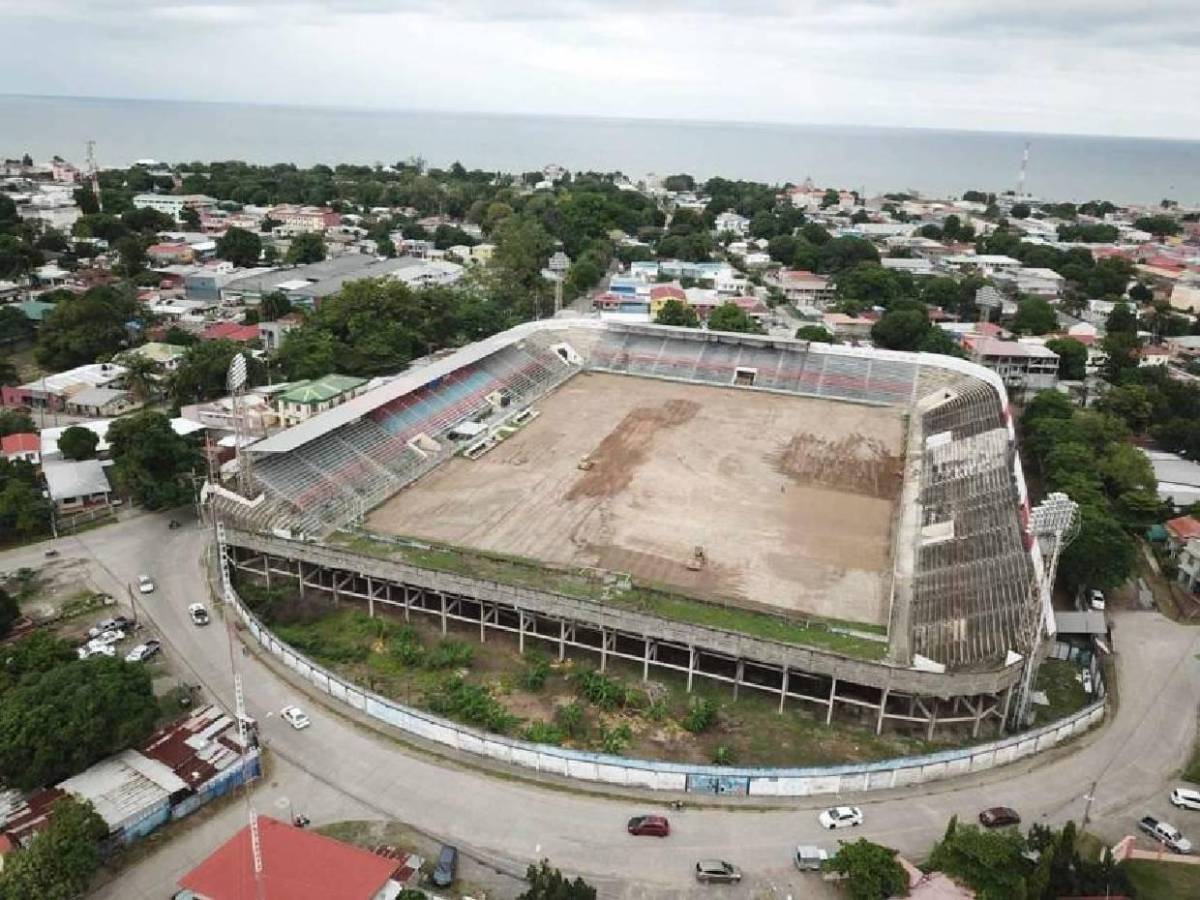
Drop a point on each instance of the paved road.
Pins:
(511, 822)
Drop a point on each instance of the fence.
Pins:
(662, 776)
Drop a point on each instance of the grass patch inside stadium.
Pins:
(810, 631)
(535, 697)
(1060, 681)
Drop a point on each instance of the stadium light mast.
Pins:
(1054, 524)
(558, 265)
(987, 298)
(236, 381)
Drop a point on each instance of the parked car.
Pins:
(1185, 798)
(143, 652)
(447, 867)
(654, 826)
(709, 871)
(1096, 600)
(1166, 834)
(295, 717)
(998, 817)
(91, 648)
(198, 613)
(809, 858)
(116, 623)
(145, 584)
(112, 636)
(841, 817)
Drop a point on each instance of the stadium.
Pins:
(838, 526)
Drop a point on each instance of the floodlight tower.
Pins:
(236, 381)
(987, 298)
(1054, 523)
(1024, 169)
(559, 263)
(93, 171)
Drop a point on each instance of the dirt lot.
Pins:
(790, 498)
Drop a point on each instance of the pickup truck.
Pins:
(1165, 834)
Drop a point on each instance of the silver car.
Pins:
(717, 871)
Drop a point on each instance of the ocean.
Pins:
(873, 160)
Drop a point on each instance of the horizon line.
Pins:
(512, 114)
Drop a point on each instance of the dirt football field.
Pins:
(790, 498)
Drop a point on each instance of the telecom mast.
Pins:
(1024, 168)
(93, 171)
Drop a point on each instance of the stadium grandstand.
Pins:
(966, 584)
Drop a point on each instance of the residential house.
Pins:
(101, 402)
(166, 356)
(916, 266)
(1188, 561)
(804, 288)
(1180, 531)
(273, 333)
(1025, 367)
(1154, 355)
(231, 331)
(987, 263)
(76, 485)
(661, 293)
(52, 392)
(303, 400)
(25, 446)
(1185, 297)
(297, 219)
(1178, 478)
(174, 253)
(731, 222)
(844, 327)
(304, 865)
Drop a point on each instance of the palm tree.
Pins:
(141, 375)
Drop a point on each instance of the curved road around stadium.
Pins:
(1125, 767)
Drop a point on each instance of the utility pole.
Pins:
(93, 171)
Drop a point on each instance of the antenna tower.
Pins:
(236, 381)
(93, 171)
(1024, 169)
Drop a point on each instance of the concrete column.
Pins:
(482, 622)
(300, 577)
(562, 639)
(646, 642)
(603, 649)
(932, 719)
(978, 717)
(1004, 715)
(370, 597)
(783, 690)
(406, 601)
(882, 708)
(267, 570)
(521, 632)
(832, 697)
(691, 666)
(737, 677)
(443, 596)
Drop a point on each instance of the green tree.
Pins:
(71, 716)
(60, 861)
(13, 421)
(15, 327)
(241, 247)
(730, 317)
(1140, 293)
(1159, 226)
(1121, 319)
(1102, 555)
(676, 312)
(202, 373)
(152, 463)
(306, 247)
(190, 217)
(1123, 350)
(844, 253)
(8, 372)
(901, 329)
(85, 328)
(990, 862)
(273, 306)
(1131, 403)
(513, 275)
(1072, 358)
(141, 375)
(546, 883)
(131, 256)
(814, 334)
(9, 613)
(872, 871)
(1020, 211)
(24, 511)
(77, 442)
(385, 247)
(1034, 316)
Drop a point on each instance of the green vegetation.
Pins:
(24, 512)
(730, 317)
(9, 612)
(871, 871)
(61, 861)
(87, 327)
(676, 312)
(153, 464)
(60, 714)
(1059, 679)
(1162, 880)
(78, 443)
(812, 631)
(546, 883)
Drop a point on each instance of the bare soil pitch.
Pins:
(790, 498)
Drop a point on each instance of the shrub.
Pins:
(571, 720)
(543, 733)
(537, 670)
(470, 704)
(600, 690)
(701, 715)
(615, 739)
(723, 756)
(450, 655)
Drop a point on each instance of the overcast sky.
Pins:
(1080, 66)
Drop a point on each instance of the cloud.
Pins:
(1073, 65)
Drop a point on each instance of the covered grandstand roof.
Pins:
(406, 383)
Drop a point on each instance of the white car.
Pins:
(104, 638)
(295, 717)
(1096, 600)
(91, 648)
(145, 584)
(1185, 798)
(841, 817)
(198, 613)
(143, 652)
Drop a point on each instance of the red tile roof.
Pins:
(24, 442)
(297, 865)
(667, 290)
(231, 331)
(1185, 528)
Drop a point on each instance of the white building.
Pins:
(731, 221)
(173, 204)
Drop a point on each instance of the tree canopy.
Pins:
(731, 317)
(152, 463)
(1072, 358)
(239, 246)
(676, 312)
(82, 329)
(306, 247)
(77, 442)
(872, 871)
(202, 373)
(59, 862)
(1034, 315)
(546, 883)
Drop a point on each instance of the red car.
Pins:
(654, 826)
(999, 816)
